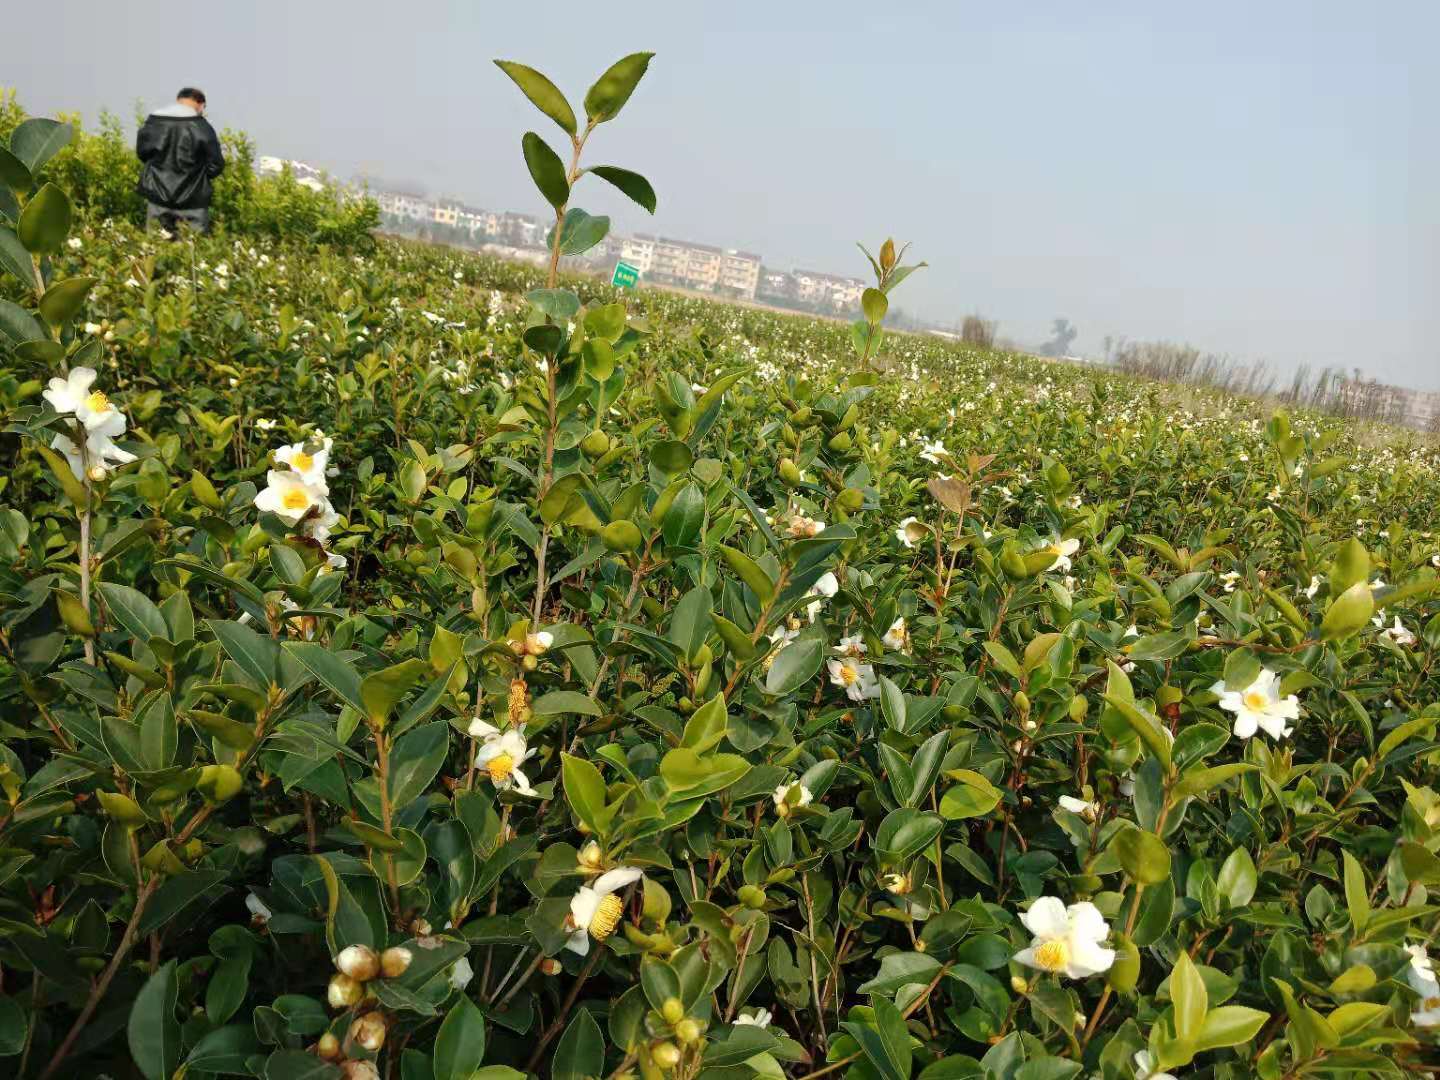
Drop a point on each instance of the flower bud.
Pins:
(328, 1047)
(368, 1031)
(1079, 707)
(360, 1070)
(219, 783)
(1124, 973)
(394, 961)
(550, 966)
(789, 472)
(591, 857)
(752, 896)
(343, 992)
(595, 445)
(1019, 985)
(420, 927)
(666, 1055)
(622, 536)
(688, 1031)
(673, 1010)
(359, 962)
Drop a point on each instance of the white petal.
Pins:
(1046, 918)
(1087, 922)
(614, 880)
(1088, 958)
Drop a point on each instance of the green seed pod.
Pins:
(1012, 564)
(1022, 701)
(622, 536)
(752, 896)
(595, 445)
(688, 1031)
(666, 1055)
(850, 500)
(1079, 708)
(673, 1010)
(789, 472)
(122, 808)
(1124, 973)
(219, 783)
(1168, 695)
(801, 415)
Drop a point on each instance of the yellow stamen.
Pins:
(519, 702)
(848, 675)
(1254, 700)
(1052, 956)
(301, 462)
(97, 402)
(606, 917)
(1430, 1003)
(295, 499)
(500, 767)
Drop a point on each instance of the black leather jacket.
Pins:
(181, 156)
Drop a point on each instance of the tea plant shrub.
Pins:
(99, 171)
(423, 667)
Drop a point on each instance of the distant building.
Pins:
(827, 291)
(740, 273)
(305, 175)
(407, 207)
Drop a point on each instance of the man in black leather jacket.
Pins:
(180, 155)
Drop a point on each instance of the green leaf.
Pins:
(630, 183)
(684, 517)
(1187, 991)
(299, 1065)
(134, 611)
(612, 90)
(460, 1042)
(1231, 1025)
(224, 1050)
(973, 796)
(415, 759)
(45, 221)
(1357, 899)
(560, 702)
(336, 673)
(381, 692)
(152, 1031)
(691, 775)
(15, 259)
(1119, 694)
(14, 173)
(546, 169)
(875, 304)
(1143, 855)
(671, 456)
(691, 620)
(13, 1027)
(543, 94)
(750, 572)
(585, 792)
(1198, 781)
(1348, 613)
(1237, 878)
(36, 140)
(901, 969)
(19, 326)
(794, 666)
(579, 231)
(706, 726)
(581, 1050)
(64, 299)
(886, 1043)
(904, 832)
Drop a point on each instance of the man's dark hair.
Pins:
(191, 93)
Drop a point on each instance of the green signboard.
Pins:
(626, 276)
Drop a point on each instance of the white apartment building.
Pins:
(399, 204)
(827, 290)
(639, 252)
(740, 273)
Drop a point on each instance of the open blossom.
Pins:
(758, 1018)
(100, 453)
(1259, 706)
(1420, 974)
(1066, 939)
(288, 497)
(932, 451)
(1083, 807)
(595, 910)
(856, 679)
(1314, 586)
(854, 645)
(827, 586)
(897, 637)
(500, 754)
(790, 797)
(1229, 579)
(1062, 550)
(1398, 633)
(309, 461)
(911, 531)
(73, 395)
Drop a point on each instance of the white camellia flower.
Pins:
(854, 645)
(1230, 579)
(827, 586)
(1398, 633)
(461, 973)
(931, 451)
(500, 754)
(1067, 939)
(1062, 550)
(1313, 588)
(288, 497)
(595, 910)
(791, 796)
(1259, 706)
(897, 637)
(759, 1018)
(311, 467)
(1079, 806)
(856, 679)
(1145, 1068)
(257, 907)
(802, 527)
(65, 395)
(99, 450)
(911, 532)
(1420, 974)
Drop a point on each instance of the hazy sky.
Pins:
(1258, 179)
